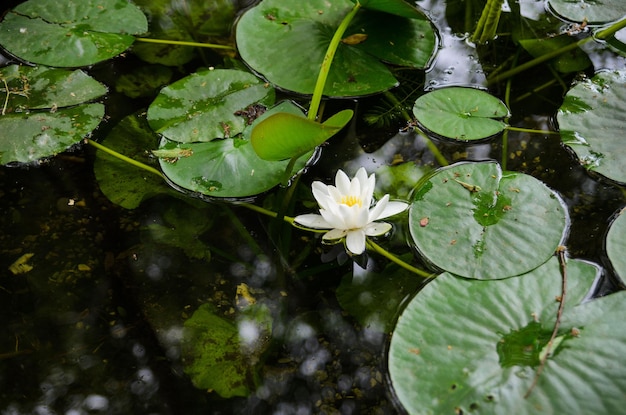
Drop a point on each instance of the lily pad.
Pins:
(222, 168)
(474, 346)
(71, 34)
(286, 41)
(45, 111)
(196, 21)
(216, 357)
(595, 12)
(121, 182)
(395, 7)
(474, 220)
(616, 244)
(591, 123)
(464, 114)
(205, 105)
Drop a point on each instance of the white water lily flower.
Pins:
(345, 210)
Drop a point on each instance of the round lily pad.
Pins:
(616, 244)
(45, 111)
(208, 104)
(467, 346)
(286, 40)
(595, 12)
(71, 33)
(461, 113)
(591, 123)
(474, 220)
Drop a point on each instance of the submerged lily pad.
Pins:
(216, 357)
(474, 220)
(192, 21)
(595, 12)
(206, 105)
(474, 346)
(45, 111)
(461, 113)
(71, 33)
(286, 42)
(616, 244)
(121, 182)
(591, 123)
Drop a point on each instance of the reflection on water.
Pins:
(96, 325)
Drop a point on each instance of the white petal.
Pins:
(361, 174)
(377, 210)
(342, 182)
(334, 234)
(320, 191)
(355, 241)
(335, 194)
(367, 190)
(355, 187)
(393, 208)
(377, 228)
(312, 221)
(353, 217)
(334, 217)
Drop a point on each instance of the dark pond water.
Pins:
(95, 326)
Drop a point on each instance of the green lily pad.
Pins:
(475, 346)
(395, 7)
(461, 113)
(474, 220)
(591, 123)
(71, 34)
(595, 12)
(616, 244)
(286, 42)
(284, 135)
(122, 183)
(222, 168)
(205, 105)
(216, 357)
(45, 112)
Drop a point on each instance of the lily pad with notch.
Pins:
(71, 33)
(463, 114)
(475, 346)
(477, 221)
(286, 41)
(591, 123)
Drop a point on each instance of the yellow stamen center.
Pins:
(351, 201)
